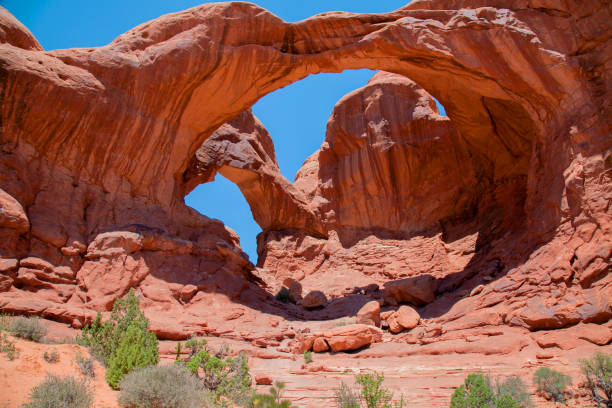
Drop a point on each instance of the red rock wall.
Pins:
(98, 148)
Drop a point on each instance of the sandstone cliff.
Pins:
(512, 191)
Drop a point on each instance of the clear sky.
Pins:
(295, 116)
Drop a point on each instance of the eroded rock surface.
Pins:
(494, 221)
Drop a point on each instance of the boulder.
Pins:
(404, 318)
(188, 292)
(369, 314)
(320, 345)
(8, 265)
(418, 291)
(407, 317)
(111, 244)
(352, 337)
(6, 282)
(294, 287)
(12, 214)
(262, 379)
(314, 299)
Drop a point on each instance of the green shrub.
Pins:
(51, 356)
(5, 322)
(284, 296)
(372, 393)
(516, 388)
(29, 328)
(58, 392)
(85, 365)
(346, 398)
(123, 342)
(271, 400)
(223, 375)
(7, 347)
(138, 348)
(477, 392)
(551, 383)
(161, 387)
(308, 356)
(598, 371)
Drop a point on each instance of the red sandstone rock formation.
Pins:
(512, 191)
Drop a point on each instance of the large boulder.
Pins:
(418, 291)
(12, 214)
(343, 338)
(369, 313)
(314, 299)
(404, 318)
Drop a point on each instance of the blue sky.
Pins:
(295, 115)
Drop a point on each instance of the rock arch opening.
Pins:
(221, 199)
(395, 190)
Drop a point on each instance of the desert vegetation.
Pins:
(271, 400)
(370, 394)
(226, 377)
(122, 343)
(85, 365)
(61, 392)
(216, 378)
(551, 383)
(479, 391)
(51, 356)
(29, 328)
(170, 386)
(7, 346)
(598, 373)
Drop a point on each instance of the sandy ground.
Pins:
(424, 381)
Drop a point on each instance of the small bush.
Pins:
(29, 328)
(284, 296)
(308, 356)
(223, 375)
(372, 395)
(551, 383)
(372, 391)
(271, 400)
(346, 398)
(58, 392)
(161, 387)
(5, 322)
(477, 392)
(138, 348)
(7, 347)
(85, 365)
(123, 342)
(516, 388)
(598, 371)
(51, 356)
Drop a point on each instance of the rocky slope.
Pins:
(426, 381)
(494, 222)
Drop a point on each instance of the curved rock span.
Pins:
(497, 215)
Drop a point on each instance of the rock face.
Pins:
(511, 191)
(344, 338)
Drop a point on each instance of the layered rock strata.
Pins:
(497, 215)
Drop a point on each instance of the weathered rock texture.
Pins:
(512, 191)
